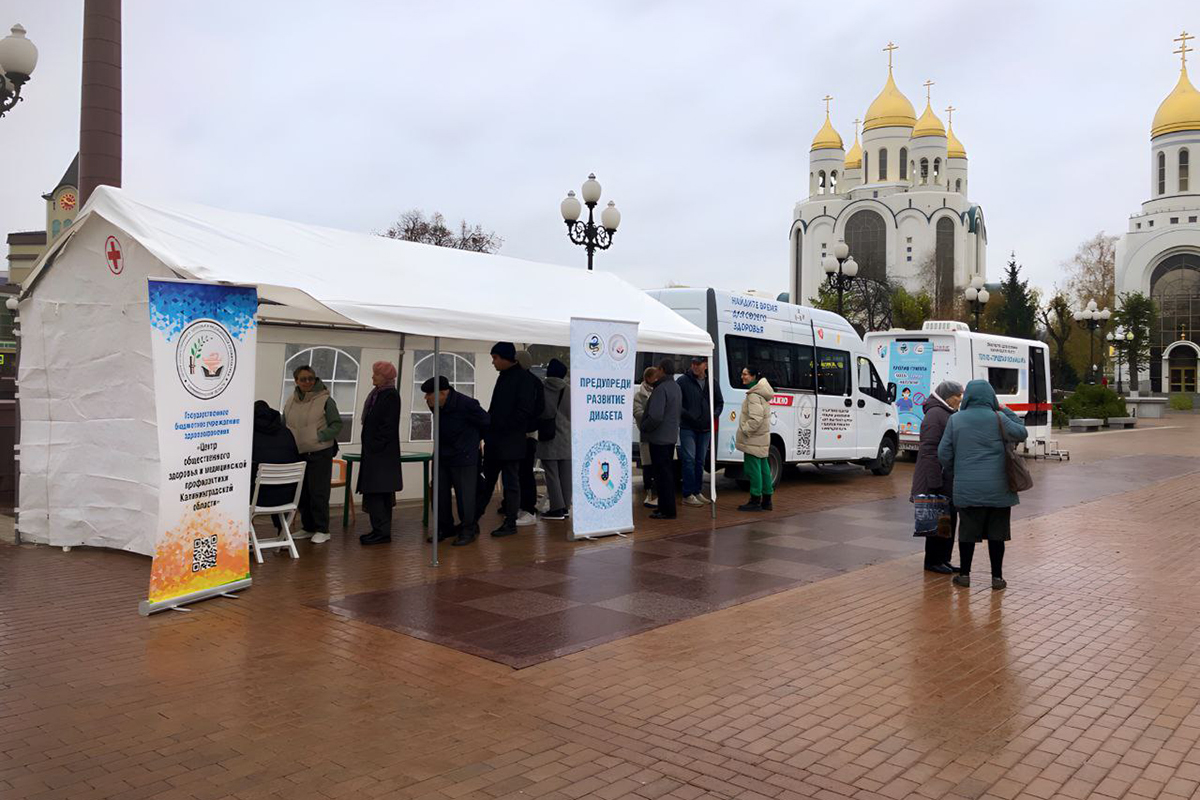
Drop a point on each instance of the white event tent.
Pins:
(89, 446)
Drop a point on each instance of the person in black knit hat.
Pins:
(512, 415)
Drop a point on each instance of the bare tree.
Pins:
(413, 226)
(940, 290)
(1057, 322)
(1092, 271)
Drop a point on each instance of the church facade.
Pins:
(1159, 254)
(899, 200)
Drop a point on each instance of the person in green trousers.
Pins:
(754, 439)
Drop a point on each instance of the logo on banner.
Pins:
(618, 347)
(605, 474)
(205, 358)
(112, 254)
(593, 345)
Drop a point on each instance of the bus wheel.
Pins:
(886, 458)
(775, 460)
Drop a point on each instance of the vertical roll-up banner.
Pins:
(602, 365)
(203, 339)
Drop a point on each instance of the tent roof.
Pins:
(385, 283)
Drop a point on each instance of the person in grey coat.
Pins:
(555, 453)
(928, 475)
(972, 450)
(660, 429)
(640, 398)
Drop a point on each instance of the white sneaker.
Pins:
(525, 519)
(320, 538)
(651, 500)
(693, 500)
(302, 534)
(704, 500)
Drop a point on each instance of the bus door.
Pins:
(836, 410)
(873, 410)
(1039, 389)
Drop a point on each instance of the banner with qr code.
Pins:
(203, 338)
(602, 364)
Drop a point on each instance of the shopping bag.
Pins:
(927, 510)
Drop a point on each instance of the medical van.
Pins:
(830, 404)
(917, 361)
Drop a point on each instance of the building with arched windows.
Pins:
(1159, 255)
(898, 198)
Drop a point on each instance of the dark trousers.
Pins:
(378, 506)
(528, 483)
(314, 496)
(966, 552)
(509, 473)
(939, 550)
(662, 464)
(464, 481)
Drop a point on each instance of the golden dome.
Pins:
(1180, 111)
(890, 108)
(854, 154)
(827, 137)
(954, 148)
(928, 124)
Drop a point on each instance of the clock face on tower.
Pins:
(67, 201)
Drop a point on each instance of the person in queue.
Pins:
(512, 413)
(695, 428)
(928, 476)
(972, 451)
(555, 453)
(461, 427)
(379, 477)
(313, 418)
(272, 443)
(753, 439)
(529, 494)
(660, 429)
(640, 398)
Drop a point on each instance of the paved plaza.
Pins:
(793, 655)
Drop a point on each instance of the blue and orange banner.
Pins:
(203, 347)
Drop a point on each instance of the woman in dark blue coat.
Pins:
(379, 478)
(972, 450)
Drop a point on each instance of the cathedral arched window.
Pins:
(903, 163)
(958, 185)
(924, 170)
(1175, 289)
(1162, 172)
(866, 168)
(797, 272)
(833, 181)
(883, 163)
(866, 236)
(943, 265)
(812, 183)
(821, 182)
(1183, 170)
(937, 169)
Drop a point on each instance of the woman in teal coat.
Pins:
(972, 450)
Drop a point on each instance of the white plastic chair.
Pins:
(276, 475)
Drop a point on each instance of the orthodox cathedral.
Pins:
(899, 200)
(1159, 255)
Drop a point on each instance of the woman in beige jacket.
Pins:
(754, 439)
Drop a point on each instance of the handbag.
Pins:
(546, 428)
(928, 510)
(1019, 477)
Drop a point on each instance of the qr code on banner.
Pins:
(204, 553)
(804, 442)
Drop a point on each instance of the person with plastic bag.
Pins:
(973, 452)
(932, 487)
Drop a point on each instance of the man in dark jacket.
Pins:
(695, 427)
(460, 431)
(512, 413)
(379, 477)
(660, 429)
(273, 444)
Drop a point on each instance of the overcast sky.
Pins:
(695, 116)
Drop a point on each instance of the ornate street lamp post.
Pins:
(1092, 318)
(977, 297)
(840, 269)
(18, 57)
(588, 234)
(1119, 341)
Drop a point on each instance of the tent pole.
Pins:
(713, 370)
(437, 445)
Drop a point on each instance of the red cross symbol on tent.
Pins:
(112, 254)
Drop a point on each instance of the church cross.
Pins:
(950, 114)
(827, 98)
(890, 47)
(1183, 48)
(857, 122)
(927, 84)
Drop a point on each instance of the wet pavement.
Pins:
(852, 675)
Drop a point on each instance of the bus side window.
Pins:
(869, 382)
(833, 371)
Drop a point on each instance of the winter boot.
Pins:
(754, 504)
(766, 503)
